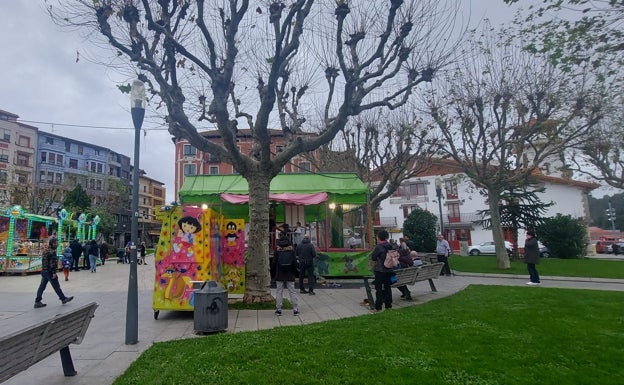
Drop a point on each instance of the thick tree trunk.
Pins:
(257, 275)
(497, 230)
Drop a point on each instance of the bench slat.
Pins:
(24, 348)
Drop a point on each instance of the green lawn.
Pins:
(552, 266)
(482, 335)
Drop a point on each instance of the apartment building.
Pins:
(152, 194)
(191, 161)
(18, 146)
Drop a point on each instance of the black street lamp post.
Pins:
(438, 188)
(137, 104)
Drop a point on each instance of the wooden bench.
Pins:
(408, 276)
(24, 348)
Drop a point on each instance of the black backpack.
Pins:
(285, 259)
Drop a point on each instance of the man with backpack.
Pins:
(285, 265)
(383, 275)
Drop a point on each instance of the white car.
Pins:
(488, 248)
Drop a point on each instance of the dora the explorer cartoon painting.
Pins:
(185, 238)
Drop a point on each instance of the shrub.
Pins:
(565, 237)
(420, 226)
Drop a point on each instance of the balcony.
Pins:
(408, 199)
(388, 222)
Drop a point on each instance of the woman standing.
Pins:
(532, 257)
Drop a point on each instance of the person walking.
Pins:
(93, 255)
(306, 253)
(285, 266)
(76, 249)
(443, 250)
(49, 267)
(532, 257)
(67, 261)
(142, 253)
(383, 275)
(103, 252)
(86, 264)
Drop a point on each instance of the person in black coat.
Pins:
(532, 257)
(306, 254)
(49, 268)
(285, 274)
(383, 275)
(76, 250)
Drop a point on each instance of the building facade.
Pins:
(189, 161)
(18, 146)
(459, 202)
(152, 194)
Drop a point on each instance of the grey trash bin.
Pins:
(211, 308)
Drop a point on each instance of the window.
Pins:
(214, 170)
(23, 141)
(144, 189)
(98, 184)
(413, 190)
(189, 150)
(73, 163)
(50, 177)
(6, 137)
(100, 168)
(80, 150)
(453, 212)
(44, 157)
(279, 149)
(4, 158)
(304, 166)
(51, 158)
(23, 159)
(96, 152)
(214, 158)
(450, 186)
(67, 147)
(59, 178)
(49, 140)
(3, 176)
(157, 192)
(42, 176)
(190, 169)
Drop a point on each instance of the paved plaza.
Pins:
(103, 355)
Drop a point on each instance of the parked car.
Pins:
(544, 252)
(488, 248)
(617, 248)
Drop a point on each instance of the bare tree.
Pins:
(391, 150)
(601, 156)
(504, 112)
(262, 63)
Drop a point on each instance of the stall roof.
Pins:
(341, 187)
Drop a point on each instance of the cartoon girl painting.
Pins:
(185, 238)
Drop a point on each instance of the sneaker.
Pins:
(303, 291)
(67, 299)
(39, 304)
(66, 279)
(311, 292)
(296, 312)
(278, 312)
(532, 283)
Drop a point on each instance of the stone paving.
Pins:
(103, 355)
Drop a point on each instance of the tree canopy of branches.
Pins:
(77, 200)
(383, 149)
(586, 35)
(573, 32)
(294, 64)
(504, 112)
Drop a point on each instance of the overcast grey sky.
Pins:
(42, 81)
